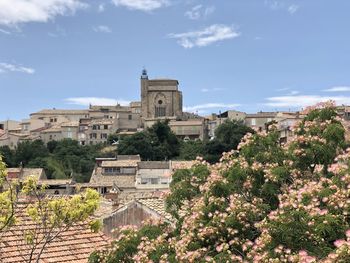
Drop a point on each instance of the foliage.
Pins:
(265, 202)
(60, 159)
(53, 215)
(155, 143)
(159, 143)
(230, 133)
(130, 240)
(190, 150)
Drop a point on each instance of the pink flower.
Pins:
(347, 233)
(339, 242)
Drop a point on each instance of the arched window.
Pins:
(160, 107)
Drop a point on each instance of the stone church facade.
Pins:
(160, 99)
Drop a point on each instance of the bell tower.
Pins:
(144, 93)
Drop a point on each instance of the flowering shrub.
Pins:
(265, 202)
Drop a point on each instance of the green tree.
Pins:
(112, 138)
(190, 150)
(264, 202)
(29, 150)
(155, 143)
(230, 133)
(54, 216)
(138, 143)
(8, 156)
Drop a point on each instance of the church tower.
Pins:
(160, 98)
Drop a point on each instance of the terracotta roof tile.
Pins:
(73, 245)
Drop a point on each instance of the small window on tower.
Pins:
(160, 102)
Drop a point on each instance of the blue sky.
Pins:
(248, 55)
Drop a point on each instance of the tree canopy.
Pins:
(155, 143)
(265, 202)
(60, 159)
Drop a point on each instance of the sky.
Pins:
(247, 55)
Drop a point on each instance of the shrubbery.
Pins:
(265, 202)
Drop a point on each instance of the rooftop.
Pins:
(157, 205)
(60, 111)
(73, 245)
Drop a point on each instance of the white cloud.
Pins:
(13, 12)
(101, 8)
(280, 5)
(303, 100)
(194, 13)
(209, 10)
(338, 89)
(86, 101)
(102, 29)
(293, 92)
(207, 106)
(205, 90)
(143, 5)
(293, 9)
(6, 67)
(205, 37)
(273, 4)
(5, 32)
(199, 11)
(59, 32)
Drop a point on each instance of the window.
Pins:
(105, 127)
(112, 170)
(93, 135)
(253, 121)
(149, 180)
(104, 135)
(160, 111)
(130, 117)
(94, 127)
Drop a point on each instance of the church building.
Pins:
(160, 99)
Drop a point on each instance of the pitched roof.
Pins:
(122, 181)
(55, 181)
(157, 205)
(153, 165)
(70, 124)
(72, 245)
(190, 122)
(262, 114)
(38, 173)
(120, 163)
(59, 112)
(101, 122)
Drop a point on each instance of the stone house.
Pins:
(259, 120)
(135, 213)
(189, 130)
